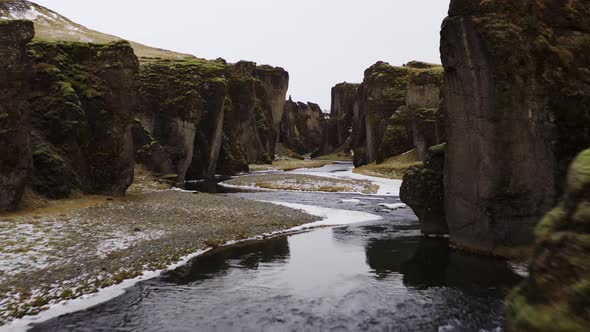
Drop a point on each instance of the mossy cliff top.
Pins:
(16, 31)
(556, 295)
(65, 54)
(386, 85)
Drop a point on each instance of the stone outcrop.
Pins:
(275, 81)
(423, 191)
(15, 123)
(182, 108)
(83, 99)
(208, 117)
(250, 133)
(338, 128)
(556, 294)
(518, 102)
(302, 127)
(397, 109)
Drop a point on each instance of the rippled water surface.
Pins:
(373, 276)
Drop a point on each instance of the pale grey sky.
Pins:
(320, 42)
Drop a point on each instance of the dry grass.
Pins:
(291, 164)
(300, 182)
(392, 168)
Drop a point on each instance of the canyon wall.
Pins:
(15, 123)
(302, 127)
(518, 96)
(83, 100)
(208, 117)
(250, 131)
(338, 128)
(396, 110)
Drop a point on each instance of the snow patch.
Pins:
(394, 206)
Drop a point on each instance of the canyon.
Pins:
(494, 137)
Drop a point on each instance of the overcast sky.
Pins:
(320, 42)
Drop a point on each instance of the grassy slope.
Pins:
(50, 25)
(392, 168)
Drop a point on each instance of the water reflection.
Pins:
(361, 277)
(218, 261)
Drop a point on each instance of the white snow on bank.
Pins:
(394, 206)
(387, 187)
(330, 217)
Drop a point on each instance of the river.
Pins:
(374, 276)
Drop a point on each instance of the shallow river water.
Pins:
(376, 276)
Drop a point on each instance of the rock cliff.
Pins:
(182, 108)
(338, 128)
(518, 96)
(423, 191)
(397, 109)
(302, 127)
(83, 99)
(556, 294)
(250, 130)
(15, 123)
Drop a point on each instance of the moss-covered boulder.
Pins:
(518, 104)
(15, 122)
(556, 295)
(423, 191)
(302, 127)
(83, 99)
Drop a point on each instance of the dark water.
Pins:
(378, 276)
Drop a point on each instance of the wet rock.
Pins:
(15, 122)
(423, 191)
(517, 101)
(555, 296)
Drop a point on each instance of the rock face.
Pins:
(517, 99)
(182, 108)
(208, 116)
(250, 133)
(337, 130)
(423, 191)
(397, 109)
(555, 296)
(83, 99)
(302, 127)
(15, 123)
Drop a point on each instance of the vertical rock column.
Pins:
(15, 124)
(517, 102)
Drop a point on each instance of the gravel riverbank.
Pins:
(56, 254)
(300, 182)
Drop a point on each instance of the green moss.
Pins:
(579, 175)
(438, 149)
